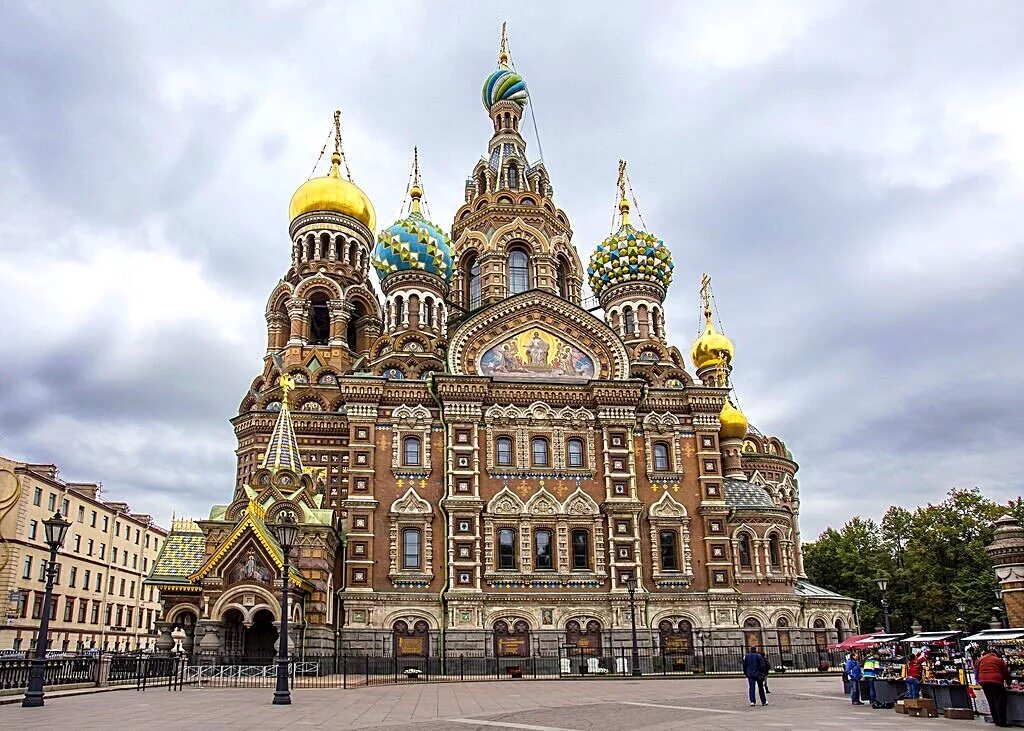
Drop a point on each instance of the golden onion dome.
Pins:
(734, 423)
(711, 348)
(333, 193)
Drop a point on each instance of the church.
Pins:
(483, 457)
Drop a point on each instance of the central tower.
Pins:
(509, 235)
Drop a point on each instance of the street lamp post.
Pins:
(883, 585)
(286, 532)
(631, 588)
(56, 528)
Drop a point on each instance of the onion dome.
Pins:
(629, 255)
(332, 193)
(711, 348)
(734, 423)
(414, 243)
(504, 83)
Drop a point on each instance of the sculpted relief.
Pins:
(536, 353)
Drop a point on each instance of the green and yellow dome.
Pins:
(629, 255)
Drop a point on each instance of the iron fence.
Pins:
(262, 673)
(14, 672)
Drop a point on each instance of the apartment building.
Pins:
(99, 600)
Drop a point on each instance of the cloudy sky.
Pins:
(850, 173)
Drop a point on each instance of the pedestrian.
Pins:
(915, 669)
(869, 670)
(767, 669)
(755, 668)
(853, 672)
(994, 676)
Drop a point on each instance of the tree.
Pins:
(933, 556)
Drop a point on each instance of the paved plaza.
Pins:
(795, 703)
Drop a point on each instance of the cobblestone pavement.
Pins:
(577, 705)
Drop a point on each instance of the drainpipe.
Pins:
(432, 388)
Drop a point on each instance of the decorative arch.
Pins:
(179, 609)
(580, 503)
(318, 281)
(542, 502)
(505, 502)
(233, 599)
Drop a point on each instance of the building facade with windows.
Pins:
(99, 600)
(483, 452)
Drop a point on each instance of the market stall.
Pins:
(946, 672)
(1010, 643)
(890, 685)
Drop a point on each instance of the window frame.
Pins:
(661, 457)
(474, 283)
(497, 451)
(674, 553)
(406, 554)
(744, 549)
(502, 556)
(575, 555)
(537, 532)
(518, 274)
(407, 440)
(582, 461)
(533, 452)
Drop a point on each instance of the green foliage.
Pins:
(934, 558)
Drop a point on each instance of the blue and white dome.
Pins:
(413, 244)
(502, 84)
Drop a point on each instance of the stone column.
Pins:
(1007, 553)
(211, 643)
(339, 321)
(297, 310)
(732, 462)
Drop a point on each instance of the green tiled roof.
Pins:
(181, 555)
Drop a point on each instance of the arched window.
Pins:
(543, 558)
(773, 551)
(503, 451)
(840, 630)
(668, 541)
(481, 183)
(540, 452)
(319, 319)
(562, 278)
(399, 311)
(676, 641)
(506, 548)
(473, 283)
(820, 635)
(655, 325)
(518, 271)
(575, 452)
(743, 548)
(428, 312)
(785, 641)
(661, 457)
(513, 176)
(628, 320)
(352, 334)
(411, 542)
(411, 451)
(751, 632)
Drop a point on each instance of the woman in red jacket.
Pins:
(915, 669)
(993, 675)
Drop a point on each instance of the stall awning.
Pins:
(878, 639)
(848, 643)
(996, 635)
(925, 637)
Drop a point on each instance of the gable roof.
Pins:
(181, 554)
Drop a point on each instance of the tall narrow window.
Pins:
(773, 551)
(506, 548)
(319, 319)
(542, 549)
(411, 451)
(504, 451)
(655, 326)
(581, 548)
(575, 452)
(399, 311)
(629, 321)
(473, 283)
(411, 548)
(661, 456)
(518, 271)
(540, 452)
(428, 312)
(562, 278)
(743, 548)
(669, 543)
(513, 176)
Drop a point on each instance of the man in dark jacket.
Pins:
(755, 667)
(993, 675)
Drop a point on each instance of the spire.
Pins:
(623, 202)
(503, 50)
(283, 449)
(338, 156)
(705, 296)
(416, 191)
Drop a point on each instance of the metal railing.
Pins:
(14, 672)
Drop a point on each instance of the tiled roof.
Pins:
(743, 494)
(283, 449)
(182, 553)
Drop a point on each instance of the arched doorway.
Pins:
(253, 644)
(511, 641)
(410, 641)
(676, 640)
(752, 633)
(586, 639)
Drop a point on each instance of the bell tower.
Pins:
(509, 235)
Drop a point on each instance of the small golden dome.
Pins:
(734, 423)
(332, 193)
(711, 348)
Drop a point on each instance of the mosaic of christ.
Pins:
(537, 354)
